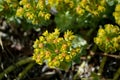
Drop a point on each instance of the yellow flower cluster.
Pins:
(92, 6)
(62, 5)
(39, 11)
(108, 39)
(116, 14)
(55, 51)
(33, 11)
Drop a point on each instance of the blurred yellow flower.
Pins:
(19, 12)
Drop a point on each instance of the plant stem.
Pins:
(16, 65)
(117, 74)
(102, 64)
(24, 72)
(111, 55)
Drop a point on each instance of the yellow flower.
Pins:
(66, 1)
(68, 58)
(27, 14)
(71, 4)
(116, 14)
(41, 45)
(95, 13)
(63, 54)
(47, 16)
(88, 8)
(50, 64)
(45, 33)
(77, 49)
(101, 8)
(59, 40)
(71, 37)
(36, 50)
(47, 54)
(64, 47)
(107, 39)
(112, 29)
(79, 10)
(23, 2)
(83, 3)
(102, 2)
(117, 7)
(101, 32)
(41, 38)
(51, 2)
(116, 30)
(42, 54)
(36, 43)
(40, 4)
(56, 63)
(73, 53)
(60, 57)
(31, 16)
(67, 35)
(56, 31)
(97, 40)
(41, 14)
(27, 6)
(55, 41)
(35, 21)
(38, 59)
(56, 51)
(50, 38)
(20, 12)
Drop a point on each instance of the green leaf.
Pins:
(111, 2)
(1, 1)
(64, 21)
(95, 76)
(1, 7)
(79, 42)
(49, 46)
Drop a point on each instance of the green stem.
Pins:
(117, 74)
(16, 65)
(24, 72)
(102, 64)
(75, 77)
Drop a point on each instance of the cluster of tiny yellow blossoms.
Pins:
(108, 39)
(94, 7)
(61, 5)
(79, 6)
(55, 51)
(33, 11)
(39, 11)
(116, 14)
